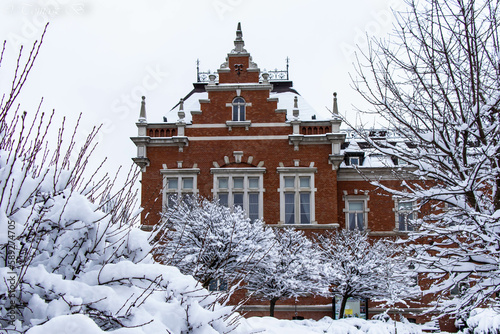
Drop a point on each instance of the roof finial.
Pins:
(296, 107)
(181, 112)
(239, 33)
(198, 70)
(142, 114)
(238, 42)
(335, 107)
(287, 61)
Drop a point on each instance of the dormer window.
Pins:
(239, 109)
(354, 158)
(354, 161)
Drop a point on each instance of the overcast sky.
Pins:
(99, 57)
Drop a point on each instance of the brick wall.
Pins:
(204, 153)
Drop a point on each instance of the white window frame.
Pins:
(240, 108)
(180, 175)
(398, 212)
(246, 174)
(297, 173)
(356, 198)
(357, 158)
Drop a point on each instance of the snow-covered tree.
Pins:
(294, 270)
(354, 266)
(436, 83)
(70, 253)
(214, 243)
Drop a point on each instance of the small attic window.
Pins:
(354, 161)
(354, 158)
(239, 109)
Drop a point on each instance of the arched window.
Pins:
(239, 109)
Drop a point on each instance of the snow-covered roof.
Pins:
(191, 103)
(356, 145)
(306, 112)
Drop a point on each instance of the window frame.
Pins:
(246, 173)
(398, 212)
(352, 158)
(355, 198)
(238, 109)
(180, 191)
(297, 190)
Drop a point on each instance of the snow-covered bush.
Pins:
(68, 244)
(294, 270)
(483, 321)
(214, 243)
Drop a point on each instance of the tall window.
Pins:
(239, 109)
(356, 212)
(178, 184)
(297, 195)
(404, 216)
(241, 187)
(356, 215)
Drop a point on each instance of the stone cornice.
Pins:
(242, 86)
(375, 173)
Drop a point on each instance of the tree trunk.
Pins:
(342, 305)
(333, 307)
(273, 303)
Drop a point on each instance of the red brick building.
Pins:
(248, 138)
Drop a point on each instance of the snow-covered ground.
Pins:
(78, 323)
(270, 325)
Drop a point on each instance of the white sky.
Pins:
(99, 57)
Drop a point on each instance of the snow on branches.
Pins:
(357, 267)
(70, 247)
(294, 271)
(213, 242)
(436, 84)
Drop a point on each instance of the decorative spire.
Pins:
(335, 107)
(181, 112)
(198, 70)
(239, 33)
(296, 107)
(287, 62)
(238, 42)
(142, 114)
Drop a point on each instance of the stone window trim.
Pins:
(365, 210)
(405, 211)
(238, 109)
(240, 173)
(180, 174)
(297, 173)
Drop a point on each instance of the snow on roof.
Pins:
(192, 103)
(306, 112)
(285, 101)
